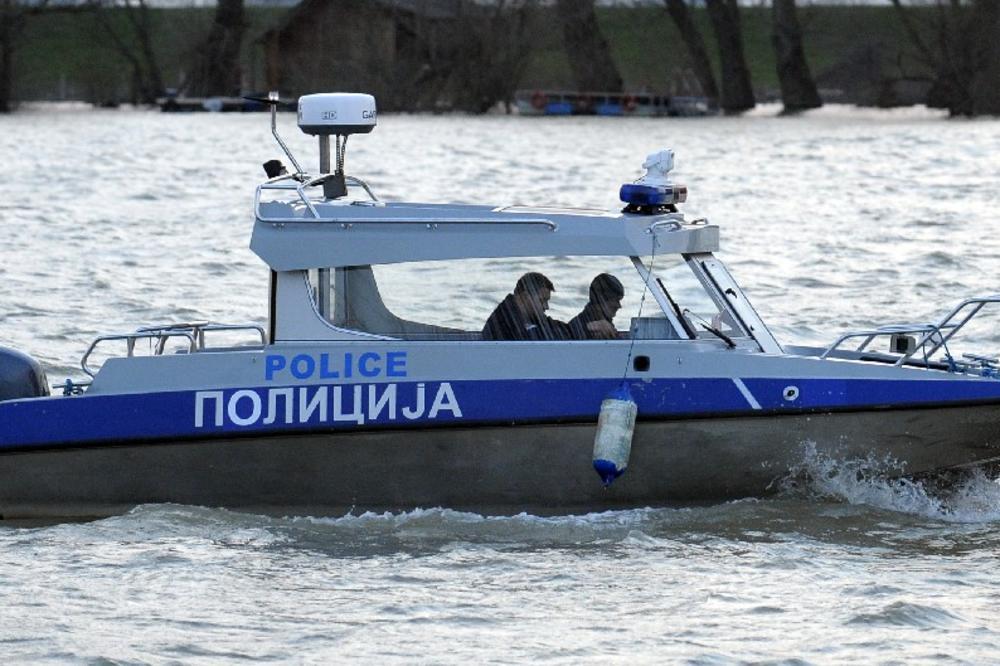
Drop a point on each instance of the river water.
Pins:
(835, 220)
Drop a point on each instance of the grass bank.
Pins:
(71, 56)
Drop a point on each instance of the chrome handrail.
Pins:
(193, 332)
(978, 301)
(672, 221)
(430, 223)
(436, 222)
(350, 180)
(346, 223)
(198, 330)
(893, 329)
(299, 186)
(933, 337)
(130, 340)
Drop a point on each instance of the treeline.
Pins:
(470, 56)
(94, 46)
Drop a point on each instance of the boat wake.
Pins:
(368, 533)
(438, 527)
(970, 495)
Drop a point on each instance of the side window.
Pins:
(323, 292)
(449, 300)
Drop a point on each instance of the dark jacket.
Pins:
(578, 325)
(508, 323)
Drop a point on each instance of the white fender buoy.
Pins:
(613, 441)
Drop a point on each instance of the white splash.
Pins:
(961, 496)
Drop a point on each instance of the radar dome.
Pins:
(338, 114)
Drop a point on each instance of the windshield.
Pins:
(545, 299)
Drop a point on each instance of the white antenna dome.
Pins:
(341, 114)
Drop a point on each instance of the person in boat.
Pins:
(596, 320)
(521, 314)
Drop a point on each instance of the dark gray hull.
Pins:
(535, 468)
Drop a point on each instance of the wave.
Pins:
(902, 614)
(968, 495)
(361, 534)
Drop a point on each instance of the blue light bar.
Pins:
(652, 195)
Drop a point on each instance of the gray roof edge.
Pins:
(398, 233)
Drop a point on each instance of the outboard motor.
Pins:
(20, 376)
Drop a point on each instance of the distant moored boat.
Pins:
(575, 103)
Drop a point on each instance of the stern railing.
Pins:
(192, 333)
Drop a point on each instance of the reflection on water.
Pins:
(834, 220)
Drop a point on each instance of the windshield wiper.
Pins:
(719, 334)
(712, 329)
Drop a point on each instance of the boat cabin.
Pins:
(343, 262)
(348, 273)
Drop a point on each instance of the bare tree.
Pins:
(957, 45)
(13, 18)
(737, 93)
(414, 56)
(986, 81)
(589, 55)
(798, 90)
(493, 46)
(700, 63)
(134, 43)
(217, 66)
(470, 60)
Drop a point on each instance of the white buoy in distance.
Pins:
(613, 441)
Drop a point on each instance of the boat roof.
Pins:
(296, 235)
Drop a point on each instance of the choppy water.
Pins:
(836, 220)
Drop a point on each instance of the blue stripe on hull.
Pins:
(157, 416)
(815, 394)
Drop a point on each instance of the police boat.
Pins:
(364, 392)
